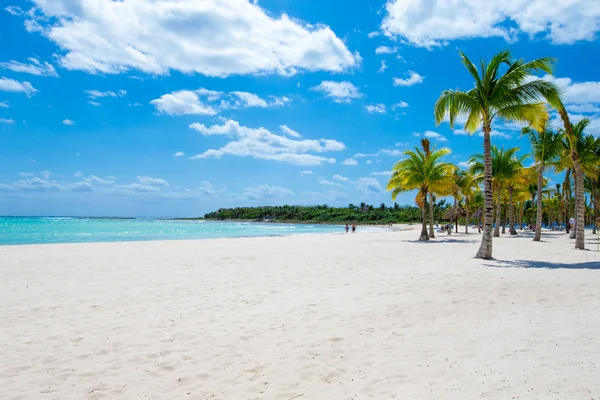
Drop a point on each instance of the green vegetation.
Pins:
(362, 214)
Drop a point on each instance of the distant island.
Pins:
(362, 213)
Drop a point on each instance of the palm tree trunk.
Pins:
(467, 216)
(424, 218)
(538, 218)
(573, 233)
(431, 204)
(485, 250)
(580, 202)
(504, 218)
(595, 205)
(511, 212)
(498, 212)
(566, 195)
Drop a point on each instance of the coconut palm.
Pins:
(509, 94)
(544, 149)
(578, 155)
(505, 167)
(424, 173)
(468, 186)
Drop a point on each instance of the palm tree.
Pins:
(544, 148)
(468, 186)
(510, 95)
(577, 154)
(505, 167)
(424, 173)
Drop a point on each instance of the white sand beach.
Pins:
(364, 316)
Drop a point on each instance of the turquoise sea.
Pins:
(39, 230)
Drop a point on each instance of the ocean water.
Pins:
(40, 230)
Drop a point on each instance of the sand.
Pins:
(364, 316)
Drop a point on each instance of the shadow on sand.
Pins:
(594, 265)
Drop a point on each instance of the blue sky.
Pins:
(179, 107)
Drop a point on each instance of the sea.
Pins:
(42, 230)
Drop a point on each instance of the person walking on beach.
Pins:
(347, 228)
(353, 227)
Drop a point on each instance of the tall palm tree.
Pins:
(505, 167)
(468, 186)
(424, 173)
(544, 149)
(578, 154)
(508, 93)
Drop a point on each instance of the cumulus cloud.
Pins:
(34, 67)
(464, 164)
(146, 180)
(214, 38)
(369, 186)
(383, 67)
(413, 79)
(290, 132)
(306, 172)
(3, 104)
(323, 181)
(493, 133)
(431, 135)
(68, 122)
(265, 192)
(350, 162)
(435, 22)
(400, 104)
(340, 178)
(382, 173)
(179, 154)
(10, 85)
(375, 108)
(6, 121)
(94, 94)
(340, 92)
(385, 50)
(211, 102)
(260, 143)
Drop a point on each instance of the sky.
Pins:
(180, 107)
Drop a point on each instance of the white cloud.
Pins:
(400, 104)
(577, 92)
(290, 132)
(263, 192)
(402, 144)
(369, 186)
(68, 122)
(383, 67)
(431, 135)
(493, 133)
(363, 155)
(94, 94)
(134, 188)
(179, 154)
(385, 50)
(583, 108)
(350, 162)
(146, 180)
(413, 79)
(3, 104)
(183, 102)
(382, 173)
(306, 172)
(10, 85)
(375, 108)
(373, 34)
(211, 102)
(14, 10)
(34, 67)
(213, 38)
(340, 92)
(391, 152)
(464, 164)
(434, 22)
(6, 121)
(369, 162)
(323, 181)
(340, 178)
(260, 143)
(94, 103)
(46, 174)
